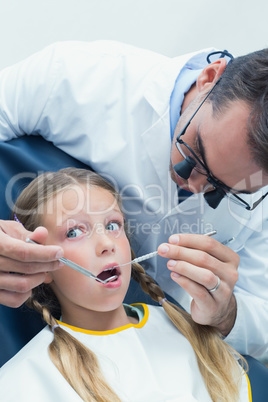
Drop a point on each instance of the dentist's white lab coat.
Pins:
(107, 104)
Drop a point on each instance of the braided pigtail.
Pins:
(217, 361)
(78, 364)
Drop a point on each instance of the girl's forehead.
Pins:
(76, 199)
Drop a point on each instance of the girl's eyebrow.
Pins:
(83, 216)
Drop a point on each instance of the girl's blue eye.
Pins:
(113, 226)
(74, 232)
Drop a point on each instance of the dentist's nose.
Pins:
(197, 182)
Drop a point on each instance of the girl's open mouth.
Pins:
(108, 273)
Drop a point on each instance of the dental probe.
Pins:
(150, 255)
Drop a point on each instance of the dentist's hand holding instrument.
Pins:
(207, 270)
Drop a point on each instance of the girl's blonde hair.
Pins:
(217, 361)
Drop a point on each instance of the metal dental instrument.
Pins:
(84, 271)
(228, 241)
(150, 255)
(78, 268)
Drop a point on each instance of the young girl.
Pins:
(94, 347)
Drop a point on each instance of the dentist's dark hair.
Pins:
(246, 79)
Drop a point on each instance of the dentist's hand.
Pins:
(23, 266)
(207, 270)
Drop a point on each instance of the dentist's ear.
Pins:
(210, 74)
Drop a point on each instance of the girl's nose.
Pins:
(105, 244)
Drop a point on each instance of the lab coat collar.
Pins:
(161, 84)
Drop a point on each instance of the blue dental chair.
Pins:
(21, 160)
